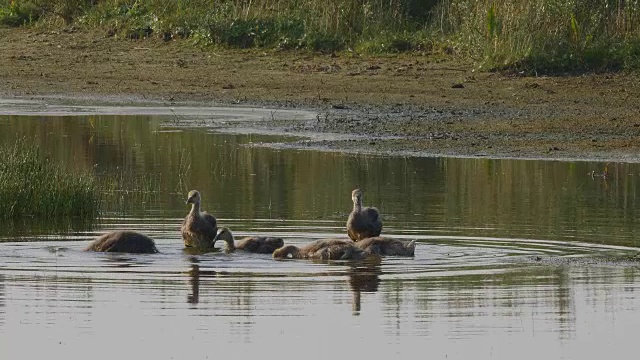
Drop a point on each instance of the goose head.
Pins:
(193, 197)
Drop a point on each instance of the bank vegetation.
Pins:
(525, 35)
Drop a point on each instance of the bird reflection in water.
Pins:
(363, 278)
(194, 279)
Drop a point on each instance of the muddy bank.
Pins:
(418, 104)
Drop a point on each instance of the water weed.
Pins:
(33, 187)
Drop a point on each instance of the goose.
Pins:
(386, 246)
(363, 222)
(324, 249)
(199, 227)
(254, 244)
(123, 242)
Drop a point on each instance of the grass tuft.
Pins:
(18, 13)
(33, 187)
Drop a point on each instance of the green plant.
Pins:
(526, 35)
(18, 13)
(33, 186)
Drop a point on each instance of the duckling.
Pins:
(325, 249)
(254, 244)
(199, 227)
(386, 246)
(123, 242)
(363, 222)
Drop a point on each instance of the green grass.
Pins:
(19, 13)
(31, 186)
(525, 35)
(545, 35)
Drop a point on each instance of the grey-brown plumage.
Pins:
(387, 246)
(123, 242)
(199, 227)
(363, 222)
(254, 244)
(325, 249)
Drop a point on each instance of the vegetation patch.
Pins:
(531, 36)
(33, 187)
(548, 36)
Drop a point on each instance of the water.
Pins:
(475, 289)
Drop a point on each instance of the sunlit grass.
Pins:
(547, 35)
(31, 186)
(528, 35)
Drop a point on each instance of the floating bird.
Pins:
(387, 246)
(363, 222)
(199, 227)
(254, 244)
(325, 249)
(123, 242)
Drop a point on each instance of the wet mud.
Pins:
(409, 104)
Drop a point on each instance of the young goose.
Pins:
(198, 228)
(386, 246)
(254, 244)
(325, 249)
(363, 222)
(123, 242)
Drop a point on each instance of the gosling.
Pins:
(123, 242)
(253, 244)
(325, 249)
(363, 222)
(387, 247)
(199, 227)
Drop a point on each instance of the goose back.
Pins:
(387, 246)
(123, 242)
(324, 249)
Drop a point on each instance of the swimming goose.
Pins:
(254, 244)
(325, 249)
(123, 242)
(363, 222)
(199, 227)
(387, 246)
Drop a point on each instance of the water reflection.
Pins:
(363, 279)
(473, 290)
(194, 280)
(451, 304)
(151, 170)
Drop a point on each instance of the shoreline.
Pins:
(251, 120)
(406, 105)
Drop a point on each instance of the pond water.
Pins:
(508, 262)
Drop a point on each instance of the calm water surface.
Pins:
(473, 291)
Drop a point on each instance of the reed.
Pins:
(545, 35)
(31, 186)
(527, 35)
(125, 193)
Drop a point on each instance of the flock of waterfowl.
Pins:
(200, 231)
